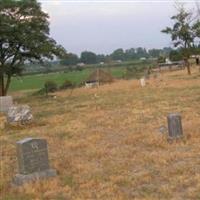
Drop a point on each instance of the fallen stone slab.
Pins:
(20, 114)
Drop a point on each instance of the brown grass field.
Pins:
(105, 143)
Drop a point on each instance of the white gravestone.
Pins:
(142, 82)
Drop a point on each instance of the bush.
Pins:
(161, 59)
(67, 84)
(50, 86)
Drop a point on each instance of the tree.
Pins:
(141, 52)
(184, 33)
(70, 59)
(130, 54)
(24, 37)
(175, 55)
(161, 59)
(118, 54)
(88, 57)
(155, 53)
(100, 58)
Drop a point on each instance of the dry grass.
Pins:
(105, 143)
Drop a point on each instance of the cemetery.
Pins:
(120, 125)
(134, 142)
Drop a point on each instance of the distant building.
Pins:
(119, 61)
(195, 56)
(142, 58)
(178, 65)
(80, 64)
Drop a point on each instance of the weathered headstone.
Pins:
(5, 103)
(91, 84)
(20, 114)
(33, 163)
(142, 82)
(174, 125)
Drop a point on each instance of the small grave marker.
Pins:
(142, 82)
(33, 163)
(174, 125)
(5, 103)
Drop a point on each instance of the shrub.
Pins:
(50, 86)
(67, 84)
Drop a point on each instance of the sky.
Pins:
(102, 26)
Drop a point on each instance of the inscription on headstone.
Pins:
(32, 155)
(174, 125)
(33, 163)
(5, 103)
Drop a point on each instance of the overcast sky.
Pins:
(102, 27)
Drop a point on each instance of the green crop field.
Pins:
(36, 81)
(32, 82)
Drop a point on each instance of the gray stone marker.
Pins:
(20, 114)
(174, 125)
(5, 103)
(33, 163)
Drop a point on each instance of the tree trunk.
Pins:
(7, 84)
(187, 64)
(2, 93)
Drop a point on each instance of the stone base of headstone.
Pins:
(21, 179)
(5, 103)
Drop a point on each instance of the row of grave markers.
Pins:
(32, 154)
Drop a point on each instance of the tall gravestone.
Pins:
(174, 125)
(33, 162)
(5, 103)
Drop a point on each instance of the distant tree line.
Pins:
(88, 57)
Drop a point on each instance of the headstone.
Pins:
(142, 82)
(33, 162)
(91, 84)
(5, 103)
(20, 114)
(174, 125)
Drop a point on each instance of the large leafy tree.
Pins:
(185, 33)
(70, 59)
(118, 54)
(88, 57)
(24, 37)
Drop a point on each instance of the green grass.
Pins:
(36, 81)
(32, 82)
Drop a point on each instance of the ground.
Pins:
(105, 143)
